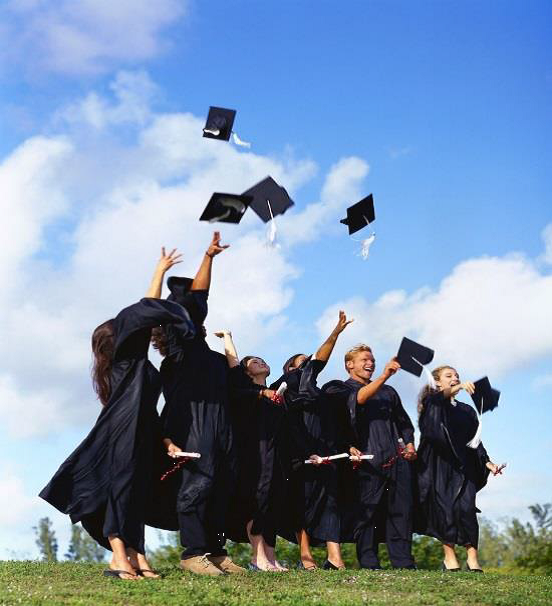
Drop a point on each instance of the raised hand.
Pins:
(168, 260)
(467, 386)
(391, 367)
(342, 323)
(222, 333)
(215, 248)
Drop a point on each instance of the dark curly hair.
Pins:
(159, 340)
(103, 346)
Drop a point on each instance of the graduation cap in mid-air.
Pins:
(485, 398)
(226, 208)
(413, 357)
(219, 124)
(269, 200)
(359, 215)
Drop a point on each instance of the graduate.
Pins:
(382, 428)
(196, 417)
(104, 484)
(450, 472)
(315, 430)
(259, 431)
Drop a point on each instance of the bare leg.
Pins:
(139, 562)
(473, 561)
(304, 546)
(272, 559)
(334, 554)
(119, 560)
(259, 556)
(450, 558)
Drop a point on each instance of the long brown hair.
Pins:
(103, 345)
(428, 389)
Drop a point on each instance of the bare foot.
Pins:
(308, 562)
(279, 567)
(127, 571)
(139, 562)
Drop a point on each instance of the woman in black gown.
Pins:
(450, 473)
(259, 425)
(104, 483)
(315, 429)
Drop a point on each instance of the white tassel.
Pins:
(238, 141)
(428, 375)
(364, 251)
(212, 131)
(271, 234)
(476, 440)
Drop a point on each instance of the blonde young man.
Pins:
(381, 427)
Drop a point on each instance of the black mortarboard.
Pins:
(360, 214)
(226, 208)
(413, 357)
(485, 397)
(219, 123)
(269, 199)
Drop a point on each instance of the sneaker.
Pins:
(200, 565)
(225, 564)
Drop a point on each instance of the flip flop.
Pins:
(141, 571)
(116, 574)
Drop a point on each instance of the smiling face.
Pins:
(256, 367)
(360, 364)
(447, 377)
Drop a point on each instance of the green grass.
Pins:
(71, 583)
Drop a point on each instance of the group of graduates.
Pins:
(232, 458)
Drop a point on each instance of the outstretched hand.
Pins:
(391, 367)
(168, 260)
(222, 333)
(215, 248)
(342, 323)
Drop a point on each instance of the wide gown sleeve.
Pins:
(147, 314)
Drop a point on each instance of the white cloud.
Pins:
(547, 237)
(491, 315)
(78, 37)
(15, 505)
(89, 211)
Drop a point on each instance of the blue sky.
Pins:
(440, 109)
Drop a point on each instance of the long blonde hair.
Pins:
(428, 389)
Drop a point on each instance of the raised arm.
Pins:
(370, 390)
(202, 280)
(325, 350)
(229, 348)
(164, 264)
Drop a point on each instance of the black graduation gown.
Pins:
(449, 472)
(105, 482)
(196, 415)
(315, 426)
(258, 431)
(383, 493)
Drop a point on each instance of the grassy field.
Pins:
(70, 583)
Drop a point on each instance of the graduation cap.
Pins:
(413, 357)
(269, 199)
(485, 397)
(359, 215)
(219, 123)
(226, 208)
